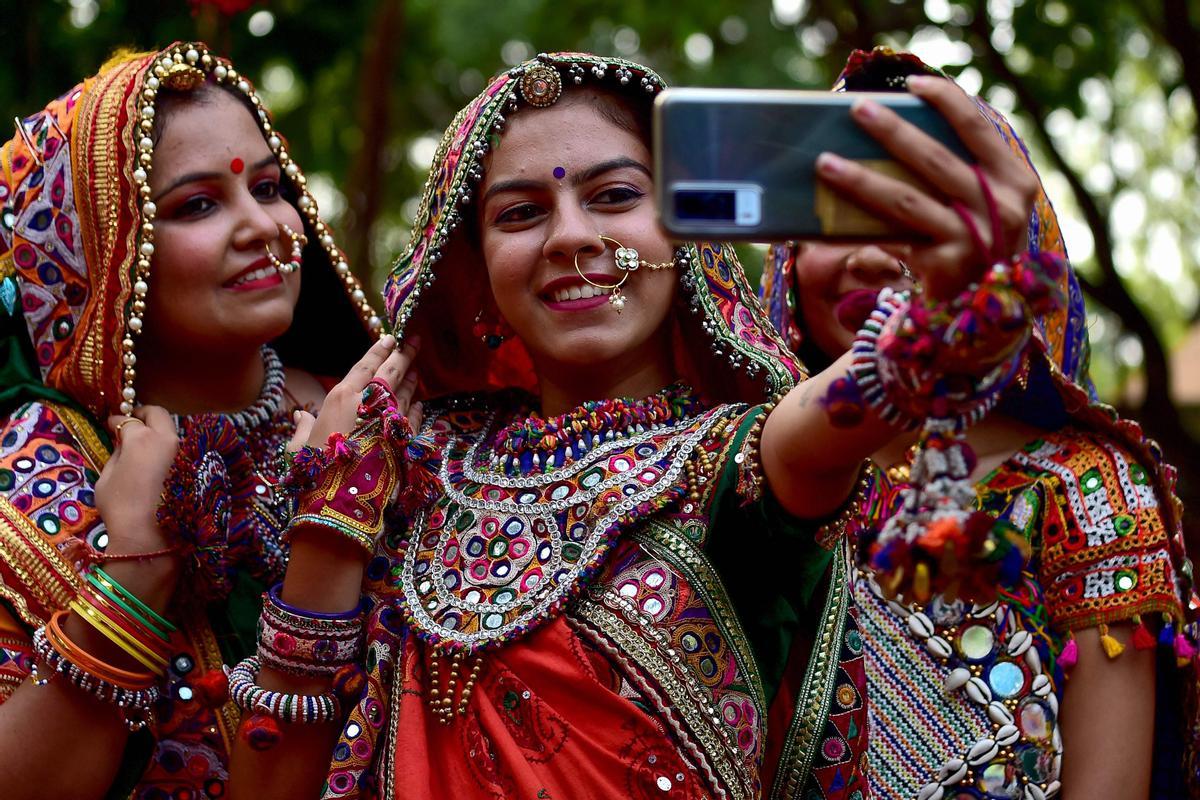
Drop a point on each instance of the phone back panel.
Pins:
(740, 164)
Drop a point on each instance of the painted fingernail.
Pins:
(865, 109)
(829, 164)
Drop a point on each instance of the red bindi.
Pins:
(237, 165)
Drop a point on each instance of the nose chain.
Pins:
(628, 261)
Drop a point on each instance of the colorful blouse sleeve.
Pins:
(1105, 551)
(49, 525)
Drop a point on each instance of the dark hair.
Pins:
(619, 109)
(168, 101)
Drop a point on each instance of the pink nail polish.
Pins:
(829, 164)
(865, 109)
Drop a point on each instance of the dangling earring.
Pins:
(299, 240)
(491, 335)
(628, 260)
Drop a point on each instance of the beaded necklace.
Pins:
(536, 444)
(500, 553)
(222, 489)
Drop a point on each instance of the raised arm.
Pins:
(324, 577)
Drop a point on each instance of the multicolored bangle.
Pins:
(133, 693)
(307, 643)
(287, 708)
(123, 636)
(903, 372)
(130, 602)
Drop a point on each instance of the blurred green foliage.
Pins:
(1103, 91)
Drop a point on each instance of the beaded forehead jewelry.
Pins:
(183, 68)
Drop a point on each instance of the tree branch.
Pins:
(366, 180)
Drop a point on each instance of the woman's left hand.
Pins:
(947, 257)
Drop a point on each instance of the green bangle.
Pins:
(145, 610)
(104, 589)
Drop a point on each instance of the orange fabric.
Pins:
(549, 719)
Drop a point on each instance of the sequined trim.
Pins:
(84, 434)
(816, 692)
(612, 486)
(46, 577)
(668, 544)
(684, 703)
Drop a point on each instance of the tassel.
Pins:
(1143, 639)
(1185, 651)
(341, 451)
(1069, 655)
(920, 585)
(260, 731)
(1166, 636)
(212, 688)
(1112, 648)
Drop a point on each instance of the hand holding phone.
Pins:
(973, 214)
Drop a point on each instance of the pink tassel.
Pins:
(341, 451)
(1184, 650)
(1069, 655)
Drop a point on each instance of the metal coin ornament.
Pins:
(541, 85)
(183, 77)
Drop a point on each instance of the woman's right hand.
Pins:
(383, 361)
(131, 483)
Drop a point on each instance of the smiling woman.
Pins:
(165, 252)
(582, 567)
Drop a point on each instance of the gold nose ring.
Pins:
(628, 260)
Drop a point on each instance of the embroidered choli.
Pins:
(610, 659)
(956, 688)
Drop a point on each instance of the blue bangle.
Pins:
(274, 591)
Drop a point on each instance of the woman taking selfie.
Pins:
(1086, 622)
(594, 579)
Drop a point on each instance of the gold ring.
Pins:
(617, 285)
(123, 424)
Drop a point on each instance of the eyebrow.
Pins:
(193, 177)
(591, 173)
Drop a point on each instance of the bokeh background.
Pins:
(1103, 91)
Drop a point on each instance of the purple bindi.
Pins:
(559, 173)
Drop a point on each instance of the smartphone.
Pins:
(740, 163)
